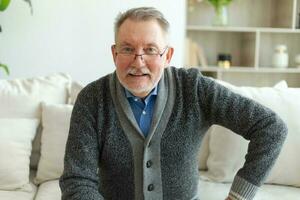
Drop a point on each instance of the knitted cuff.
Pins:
(242, 189)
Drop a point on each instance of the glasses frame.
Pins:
(143, 54)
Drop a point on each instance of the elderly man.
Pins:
(135, 133)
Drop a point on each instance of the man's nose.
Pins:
(139, 60)
(136, 56)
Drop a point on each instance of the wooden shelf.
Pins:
(250, 13)
(241, 29)
(249, 69)
(249, 38)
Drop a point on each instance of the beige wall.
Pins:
(72, 36)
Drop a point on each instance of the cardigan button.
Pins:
(149, 163)
(150, 187)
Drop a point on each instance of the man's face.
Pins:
(140, 74)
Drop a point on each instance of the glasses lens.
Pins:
(149, 55)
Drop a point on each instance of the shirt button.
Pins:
(135, 99)
(150, 187)
(149, 163)
(144, 112)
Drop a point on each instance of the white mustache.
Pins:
(141, 71)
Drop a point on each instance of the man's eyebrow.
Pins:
(123, 44)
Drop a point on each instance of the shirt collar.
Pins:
(129, 95)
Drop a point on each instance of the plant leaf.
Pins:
(5, 68)
(4, 4)
(217, 3)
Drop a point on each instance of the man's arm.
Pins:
(80, 178)
(265, 130)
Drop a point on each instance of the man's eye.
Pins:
(151, 51)
(127, 50)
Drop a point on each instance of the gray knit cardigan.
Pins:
(108, 157)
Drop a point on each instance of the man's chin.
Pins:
(140, 91)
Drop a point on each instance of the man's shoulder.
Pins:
(96, 88)
(184, 74)
(100, 82)
(192, 78)
(183, 70)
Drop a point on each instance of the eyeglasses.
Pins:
(150, 53)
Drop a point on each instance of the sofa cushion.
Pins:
(19, 195)
(22, 98)
(75, 89)
(226, 154)
(55, 123)
(214, 191)
(203, 151)
(49, 191)
(16, 136)
(227, 150)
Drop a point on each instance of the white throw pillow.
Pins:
(227, 149)
(227, 152)
(55, 122)
(21, 98)
(16, 136)
(203, 151)
(49, 190)
(75, 89)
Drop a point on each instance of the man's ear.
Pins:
(169, 55)
(114, 52)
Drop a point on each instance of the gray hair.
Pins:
(142, 14)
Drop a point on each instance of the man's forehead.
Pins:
(141, 33)
(135, 27)
(125, 43)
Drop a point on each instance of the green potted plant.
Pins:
(221, 15)
(220, 7)
(3, 6)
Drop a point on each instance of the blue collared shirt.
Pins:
(142, 109)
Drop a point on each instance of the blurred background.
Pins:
(244, 42)
(72, 36)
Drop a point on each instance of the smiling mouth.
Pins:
(138, 75)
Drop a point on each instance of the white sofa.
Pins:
(34, 122)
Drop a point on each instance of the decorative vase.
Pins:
(280, 57)
(221, 16)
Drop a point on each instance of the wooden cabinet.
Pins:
(255, 28)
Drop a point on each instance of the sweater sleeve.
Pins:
(80, 177)
(253, 121)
